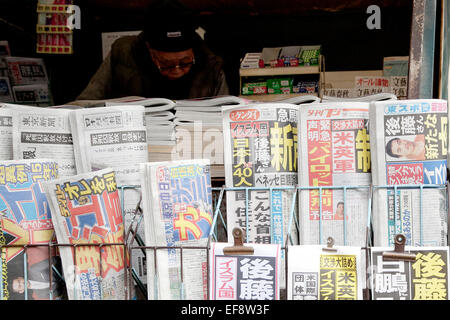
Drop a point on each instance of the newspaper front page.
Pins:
(410, 148)
(334, 152)
(6, 145)
(177, 205)
(260, 150)
(26, 219)
(86, 213)
(43, 133)
(245, 277)
(114, 137)
(317, 274)
(425, 278)
(260, 143)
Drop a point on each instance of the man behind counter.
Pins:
(167, 60)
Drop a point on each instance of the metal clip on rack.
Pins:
(399, 251)
(238, 248)
(329, 247)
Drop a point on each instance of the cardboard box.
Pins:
(258, 86)
(279, 85)
(305, 86)
(309, 56)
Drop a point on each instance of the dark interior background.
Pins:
(233, 27)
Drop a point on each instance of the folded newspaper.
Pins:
(261, 144)
(302, 99)
(410, 143)
(25, 219)
(89, 227)
(426, 277)
(208, 102)
(334, 162)
(261, 151)
(113, 137)
(243, 276)
(198, 128)
(177, 206)
(43, 133)
(315, 273)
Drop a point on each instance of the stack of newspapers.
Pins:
(198, 129)
(159, 121)
(177, 207)
(409, 154)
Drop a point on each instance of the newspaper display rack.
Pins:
(133, 242)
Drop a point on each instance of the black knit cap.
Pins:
(170, 27)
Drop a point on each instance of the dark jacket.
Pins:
(128, 70)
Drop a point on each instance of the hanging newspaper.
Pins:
(114, 137)
(261, 151)
(334, 152)
(317, 274)
(177, 205)
(6, 145)
(87, 217)
(245, 277)
(409, 148)
(425, 278)
(25, 219)
(43, 133)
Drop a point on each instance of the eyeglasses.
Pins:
(181, 65)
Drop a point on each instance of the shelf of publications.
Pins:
(283, 71)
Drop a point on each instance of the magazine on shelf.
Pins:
(319, 274)
(409, 147)
(425, 277)
(86, 213)
(244, 276)
(177, 207)
(43, 133)
(32, 94)
(113, 137)
(24, 70)
(334, 152)
(26, 219)
(6, 144)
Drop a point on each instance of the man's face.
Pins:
(18, 285)
(402, 147)
(173, 65)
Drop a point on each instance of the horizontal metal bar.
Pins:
(410, 186)
(291, 188)
(61, 245)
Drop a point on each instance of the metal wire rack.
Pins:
(135, 288)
